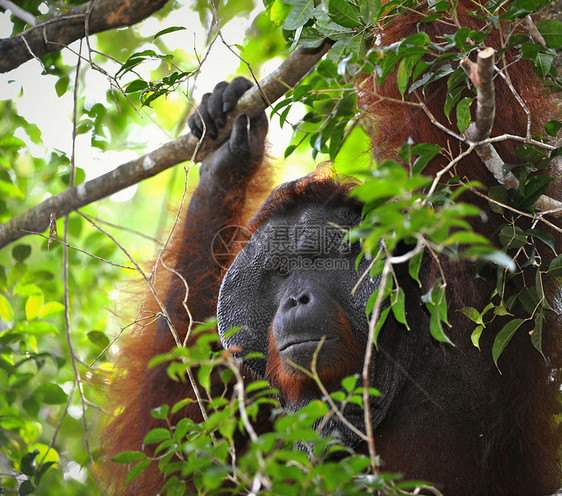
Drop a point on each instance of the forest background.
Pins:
(67, 118)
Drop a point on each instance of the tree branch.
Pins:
(533, 31)
(58, 32)
(186, 147)
(481, 74)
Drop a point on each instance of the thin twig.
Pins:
(77, 378)
(144, 276)
(367, 364)
(127, 229)
(75, 248)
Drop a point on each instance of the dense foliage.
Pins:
(59, 316)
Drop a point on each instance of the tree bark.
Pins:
(80, 21)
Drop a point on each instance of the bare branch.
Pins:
(36, 219)
(58, 32)
(481, 74)
(533, 31)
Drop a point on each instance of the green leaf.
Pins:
(380, 323)
(168, 30)
(136, 85)
(436, 328)
(370, 11)
(504, 337)
(84, 126)
(129, 457)
(157, 435)
(300, 14)
(350, 383)
(475, 336)
(466, 238)
(551, 31)
(463, 114)
(404, 72)
(472, 314)
(26, 465)
(278, 11)
(452, 99)
(138, 469)
(181, 404)
(545, 237)
(553, 127)
(460, 37)
(7, 189)
(62, 85)
(6, 311)
(33, 305)
(534, 188)
(50, 308)
(21, 252)
(426, 153)
(11, 142)
(530, 299)
(512, 237)
(181, 428)
(99, 339)
(256, 386)
(479, 36)
(44, 467)
(343, 13)
(414, 267)
(536, 334)
(26, 488)
(501, 310)
(530, 153)
(438, 6)
(160, 412)
(51, 394)
(399, 306)
(555, 267)
(36, 327)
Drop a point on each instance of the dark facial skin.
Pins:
(300, 273)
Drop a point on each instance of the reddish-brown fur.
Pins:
(518, 408)
(135, 390)
(394, 122)
(518, 416)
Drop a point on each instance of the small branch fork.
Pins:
(481, 75)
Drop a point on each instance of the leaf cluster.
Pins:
(401, 205)
(292, 458)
